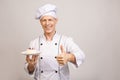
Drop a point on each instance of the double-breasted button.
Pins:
(56, 71)
(41, 71)
(41, 57)
(55, 43)
(41, 44)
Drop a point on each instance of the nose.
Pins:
(47, 22)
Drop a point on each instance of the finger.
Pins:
(27, 58)
(61, 62)
(33, 57)
(59, 57)
(36, 57)
(62, 49)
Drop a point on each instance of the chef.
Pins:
(56, 50)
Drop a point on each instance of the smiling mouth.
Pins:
(48, 27)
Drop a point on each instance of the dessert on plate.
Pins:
(31, 52)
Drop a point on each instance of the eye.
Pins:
(43, 20)
(50, 20)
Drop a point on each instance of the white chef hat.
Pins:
(47, 9)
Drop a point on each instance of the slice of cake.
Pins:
(31, 51)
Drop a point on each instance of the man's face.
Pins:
(48, 24)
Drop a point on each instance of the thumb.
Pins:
(62, 49)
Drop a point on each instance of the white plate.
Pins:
(35, 52)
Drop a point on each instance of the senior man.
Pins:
(55, 50)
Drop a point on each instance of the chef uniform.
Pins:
(47, 67)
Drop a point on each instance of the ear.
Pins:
(40, 21)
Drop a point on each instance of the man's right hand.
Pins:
(31, 62)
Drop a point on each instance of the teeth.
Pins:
(48, 26)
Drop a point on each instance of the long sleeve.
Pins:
(32, 44)
(71, 47)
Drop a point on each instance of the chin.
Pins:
(48, 32)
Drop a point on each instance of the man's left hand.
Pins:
(63, 57)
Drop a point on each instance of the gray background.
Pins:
(93, 24)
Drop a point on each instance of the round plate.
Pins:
(35, 52)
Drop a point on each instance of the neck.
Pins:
(49, 36)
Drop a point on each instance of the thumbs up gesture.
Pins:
(63, 57)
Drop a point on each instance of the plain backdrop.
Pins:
(93, 24)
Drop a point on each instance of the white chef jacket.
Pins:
(47, 67)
